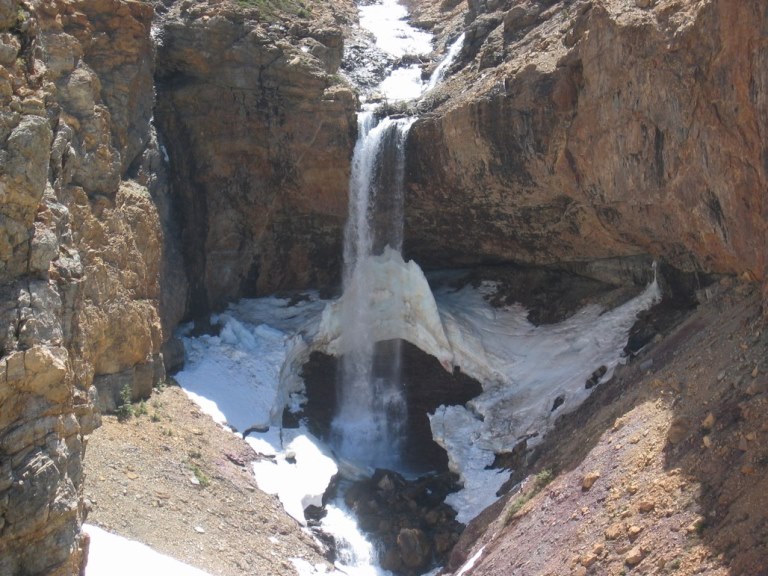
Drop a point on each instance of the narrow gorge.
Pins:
(490, 274)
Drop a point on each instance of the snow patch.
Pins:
(299, 475)
(113, 555)
(469, 564)
(530, 376)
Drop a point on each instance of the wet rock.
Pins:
(408, 520)
(594, 379)
(413, 548)
(427, 385)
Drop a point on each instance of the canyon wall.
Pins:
(86, 260)
(578, 131)
(568, 132)
(259, 129)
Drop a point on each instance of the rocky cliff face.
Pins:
(259, 130)
(583, 130)
(82, 250)
(570, 131)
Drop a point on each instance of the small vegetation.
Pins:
(201, 476)
(539, 482)
(270, 8)
(140, 409)
(125, 411)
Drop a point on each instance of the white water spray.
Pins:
(370, 421)
(369, 425)
(439, 72)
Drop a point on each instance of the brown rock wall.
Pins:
(260, 134)
(588, 130)
(81, 254)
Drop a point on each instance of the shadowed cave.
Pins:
(426, 386)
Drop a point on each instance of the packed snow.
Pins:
(112, 555)
(530, 376)
(524, 369)
(299, 474)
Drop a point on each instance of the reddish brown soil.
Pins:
(144, 482)
(677, 455)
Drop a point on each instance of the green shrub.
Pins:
(125, 409)
(200, 475)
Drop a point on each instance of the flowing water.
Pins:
(370, 421)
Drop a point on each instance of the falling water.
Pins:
(447, 62)
(369, 424)
(370, 421)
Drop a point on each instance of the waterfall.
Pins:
(369, 424)
(439, 73)
(370, 420)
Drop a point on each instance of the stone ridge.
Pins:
(83, 251)
(577, 131)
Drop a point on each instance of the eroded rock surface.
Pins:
(584, 130)
(81, 254)
(260, 132)
(413, 527)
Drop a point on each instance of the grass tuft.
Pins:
(539, 482)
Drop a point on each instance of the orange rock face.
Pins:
(82, 250)
(599, 129)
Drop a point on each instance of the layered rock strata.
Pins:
(584, 130)
(259, 130)
(81, 254)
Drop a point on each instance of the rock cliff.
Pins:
(569, 131)
(260, 130)
(83, 252)
(577, 131)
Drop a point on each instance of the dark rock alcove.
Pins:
(426, 385)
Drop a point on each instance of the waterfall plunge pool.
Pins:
(249, 373)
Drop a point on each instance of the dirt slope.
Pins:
(663, 471)
(175, 480)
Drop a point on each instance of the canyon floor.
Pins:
(662, 471)
(175, 480)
